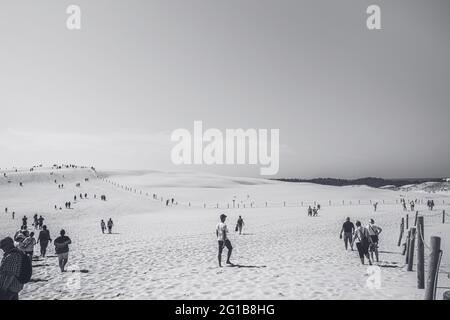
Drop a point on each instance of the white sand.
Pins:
(170, 253)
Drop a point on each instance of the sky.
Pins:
(349, 102)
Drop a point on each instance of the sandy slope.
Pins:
(170, 253)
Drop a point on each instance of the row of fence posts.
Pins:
(417, 231)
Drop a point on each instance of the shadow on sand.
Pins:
(243, 266)
(40, 265)
(38, 280)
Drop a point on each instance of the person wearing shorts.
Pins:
(223, 241)
(374, 232)
(62, 249)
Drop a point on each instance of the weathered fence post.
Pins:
(412, 241)
(406, 250)
(443, 216)
(407, 221)
(402, 230)
(415, 219)
(433, 268)
(420, 254)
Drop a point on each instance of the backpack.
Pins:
(26, 269)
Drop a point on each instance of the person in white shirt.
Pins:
(222, 238)
(363, 241)
(374, 232)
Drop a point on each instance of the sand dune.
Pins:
(159, 252)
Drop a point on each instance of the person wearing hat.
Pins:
(10, 266)
(222, 238)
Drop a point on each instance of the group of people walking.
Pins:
(366, 239)
(313, 212)
(105, 226)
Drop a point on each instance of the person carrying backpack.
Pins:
(15, 270)
(27, 245)
(363, 241)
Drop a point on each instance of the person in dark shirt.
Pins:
(43, 239)
(62, 249)
(348, 228)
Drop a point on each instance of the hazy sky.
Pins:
(349, 102)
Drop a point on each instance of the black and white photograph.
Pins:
(240, 150)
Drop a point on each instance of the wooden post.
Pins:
(443, 216)
(407, 246)
(420, 254)
(430, 289)
(402, 230)
(407, 221)
(412, 241)
(284, 204)
(415, 219)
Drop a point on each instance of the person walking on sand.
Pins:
(374, 232)
(27, 245)
(222, 238)
(103, 226)
(43, 239)
(363, 240)
(24, 221)
(13, 215)
(35, 221)
(62, 249)
(110, 225)
(240, 224)
(310, 211)
(10, 270)
(348, 228)
(40, 222)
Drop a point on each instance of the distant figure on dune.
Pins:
(412, 205)
(110, 225)
(318, 206)
(310, 212)
(35, 221)
(6, 210)
(375, 206)
(41, 222)
(13, 215)
(62, 249)
(363, 241)
(223, 241)
(374, 232)
(240, 224)
(24, 221)
(315, 212)
(74, 198)
(103, 226)
(348, 228)
(167, 202)
(43, 239)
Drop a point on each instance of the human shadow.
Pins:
(247, 234)
(235, 265)
(80, 271)
(40, 265)
(38, 280)
(390, 252)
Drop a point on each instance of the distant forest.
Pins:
(371, 182)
